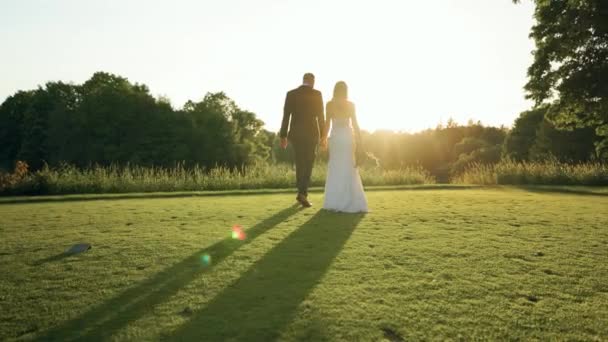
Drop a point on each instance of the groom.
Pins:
(304, 105)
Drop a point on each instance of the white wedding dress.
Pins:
(343, 187)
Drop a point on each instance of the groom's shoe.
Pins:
(303, 201)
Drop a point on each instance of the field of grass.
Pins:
(453, 263)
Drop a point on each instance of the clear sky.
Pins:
(409, 64)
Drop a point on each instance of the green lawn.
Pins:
(455, 263)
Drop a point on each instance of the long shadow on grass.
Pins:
(264, 300)
(564, 190)
(53, 258)
(102, 321)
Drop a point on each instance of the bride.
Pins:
(343, 187)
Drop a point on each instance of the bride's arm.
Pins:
(328, 116)
(355, 124)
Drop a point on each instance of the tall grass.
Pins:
(541, 173)
(123, 179)
(115, 179)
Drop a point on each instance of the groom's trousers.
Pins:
(305, 152)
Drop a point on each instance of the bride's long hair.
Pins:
(340, 91)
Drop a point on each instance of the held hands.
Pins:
(323, 143)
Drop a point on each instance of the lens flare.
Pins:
(238, 233)
(206, 259)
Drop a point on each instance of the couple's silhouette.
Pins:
(305, 126)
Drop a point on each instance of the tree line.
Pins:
(109, 120)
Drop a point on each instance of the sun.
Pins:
(381, 102)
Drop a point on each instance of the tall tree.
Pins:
(12, 117)
(64, 127)
(570, 65)
(34, 148)
(574, 145)
(523, 135)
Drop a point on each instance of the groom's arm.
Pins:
(321, 115)
(286, 117)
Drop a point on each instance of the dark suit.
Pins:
(304, 106)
